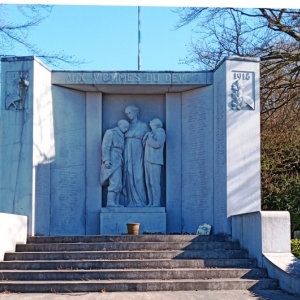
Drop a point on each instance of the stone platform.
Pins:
(113, 220)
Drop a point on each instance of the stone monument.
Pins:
(195, 166)
(183, 161)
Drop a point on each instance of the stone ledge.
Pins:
(13, 230)
(286, 268)
(114, 221)
(133, 209)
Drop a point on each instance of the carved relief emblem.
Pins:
(16, 90)
(239, 100)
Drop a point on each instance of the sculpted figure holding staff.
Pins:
(133, 171)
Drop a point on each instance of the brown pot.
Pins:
(133, 228)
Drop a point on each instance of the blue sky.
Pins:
(107, 37)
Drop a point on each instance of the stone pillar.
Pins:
(68, 169)
(26, 112)
(197, 158)
(236, 140)
(93, 161)
(173, 162)
(43, 149)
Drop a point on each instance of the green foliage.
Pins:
(295, 220)
(280, 166)
(296, 247)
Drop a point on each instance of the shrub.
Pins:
(296, 247)
(280, 166)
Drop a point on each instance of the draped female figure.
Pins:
(134, 189)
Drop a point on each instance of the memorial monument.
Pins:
(187, 151)
(85, 152)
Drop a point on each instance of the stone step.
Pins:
(129, 246)
(164, 274)
(119, 255)
(128, 238)
(127, 264)
(130, 263)
(136, 285)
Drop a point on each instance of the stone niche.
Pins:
(53, 123)
(150, 106)
(151, 219)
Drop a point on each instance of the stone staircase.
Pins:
(130, 263)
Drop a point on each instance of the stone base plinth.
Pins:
(113, 220)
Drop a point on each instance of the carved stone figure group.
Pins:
(132, 156)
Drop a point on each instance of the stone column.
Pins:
(197, 158)
(26, 138)
(93, 161)
(173, 162)
(236, 140)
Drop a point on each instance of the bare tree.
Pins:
(271, 34)
(15, 33)
(274, 36)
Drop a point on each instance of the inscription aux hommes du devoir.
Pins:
(134, 78)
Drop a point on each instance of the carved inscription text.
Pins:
(134, 78)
